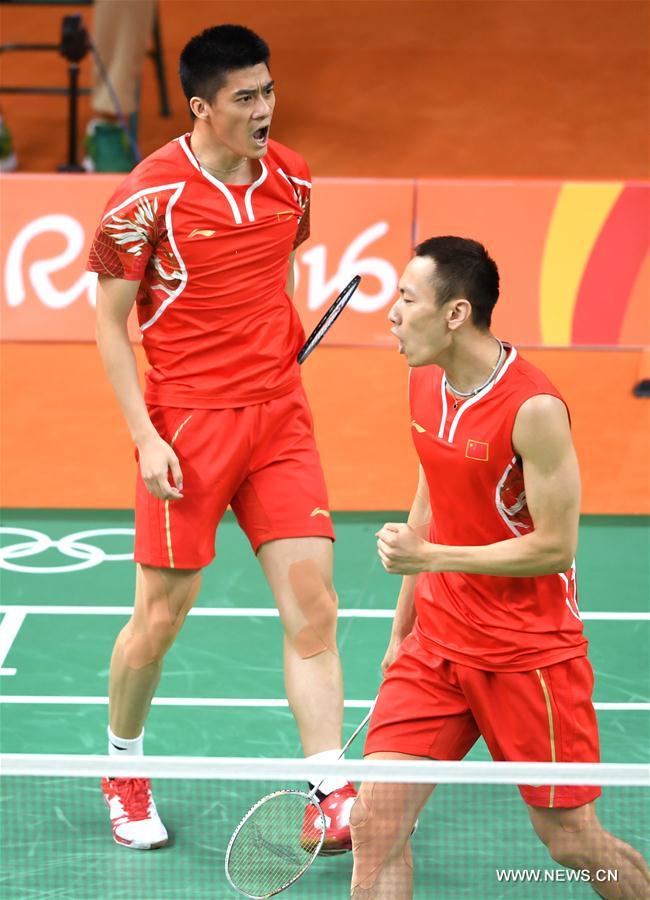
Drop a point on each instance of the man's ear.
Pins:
(199, 107)
(459, 312)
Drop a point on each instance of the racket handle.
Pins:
(358, 729)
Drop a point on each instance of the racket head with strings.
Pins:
(265, 855)
(329, 319)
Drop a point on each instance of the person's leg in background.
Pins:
(8, 159)
(121, 33)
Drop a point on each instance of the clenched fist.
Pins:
(402, 551)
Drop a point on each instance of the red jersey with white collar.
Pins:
(218, 327)
(477, 496)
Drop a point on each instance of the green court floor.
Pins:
(67, 584)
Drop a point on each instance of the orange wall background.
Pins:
(64, 442)
(396, 88)
(409, 89)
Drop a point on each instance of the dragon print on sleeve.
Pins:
(133, 242)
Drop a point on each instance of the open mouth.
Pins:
(261, 136)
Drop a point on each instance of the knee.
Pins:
(565, 853)
(575, 848)
(150, 634)
(358, 815)
(374, 827)
(163, 599)
(148, 644)
(313, 627)
(379, 842)
(160, 635)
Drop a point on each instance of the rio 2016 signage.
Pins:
(574, 257)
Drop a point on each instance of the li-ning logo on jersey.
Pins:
(201, 232)
(479, 450)
(319, 512)
(284, 214)
(418, 428)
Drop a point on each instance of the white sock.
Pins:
(118, 746)
(333, 783)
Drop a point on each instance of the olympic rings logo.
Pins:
(73, 546)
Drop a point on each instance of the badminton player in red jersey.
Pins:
(200, 239)
(487, 637)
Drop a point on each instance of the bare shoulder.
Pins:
(542, 408)
(542, 424)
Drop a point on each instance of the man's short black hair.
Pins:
(208, 57)
(465, 269)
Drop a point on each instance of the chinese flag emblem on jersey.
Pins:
(477, 450)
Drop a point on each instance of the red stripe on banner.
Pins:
(612, 270)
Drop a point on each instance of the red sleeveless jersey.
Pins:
(477, 495)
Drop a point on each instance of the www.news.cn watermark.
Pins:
(534, 876)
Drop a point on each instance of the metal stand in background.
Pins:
(74, 47)
(156, 55)
(642, 388)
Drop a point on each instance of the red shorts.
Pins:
(430, 706)
(261, 459)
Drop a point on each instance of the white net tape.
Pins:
(246, 769)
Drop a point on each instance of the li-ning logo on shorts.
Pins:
(319, 512)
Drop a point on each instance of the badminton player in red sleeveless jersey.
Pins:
(200, 239)
(487, 636)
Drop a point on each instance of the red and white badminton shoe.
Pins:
(336, 809)
(134, 819)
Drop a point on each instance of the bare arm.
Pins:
(115, 299)
(290, 285)
(542, 439)
(418, 519)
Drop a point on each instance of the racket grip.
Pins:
(358, 729)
